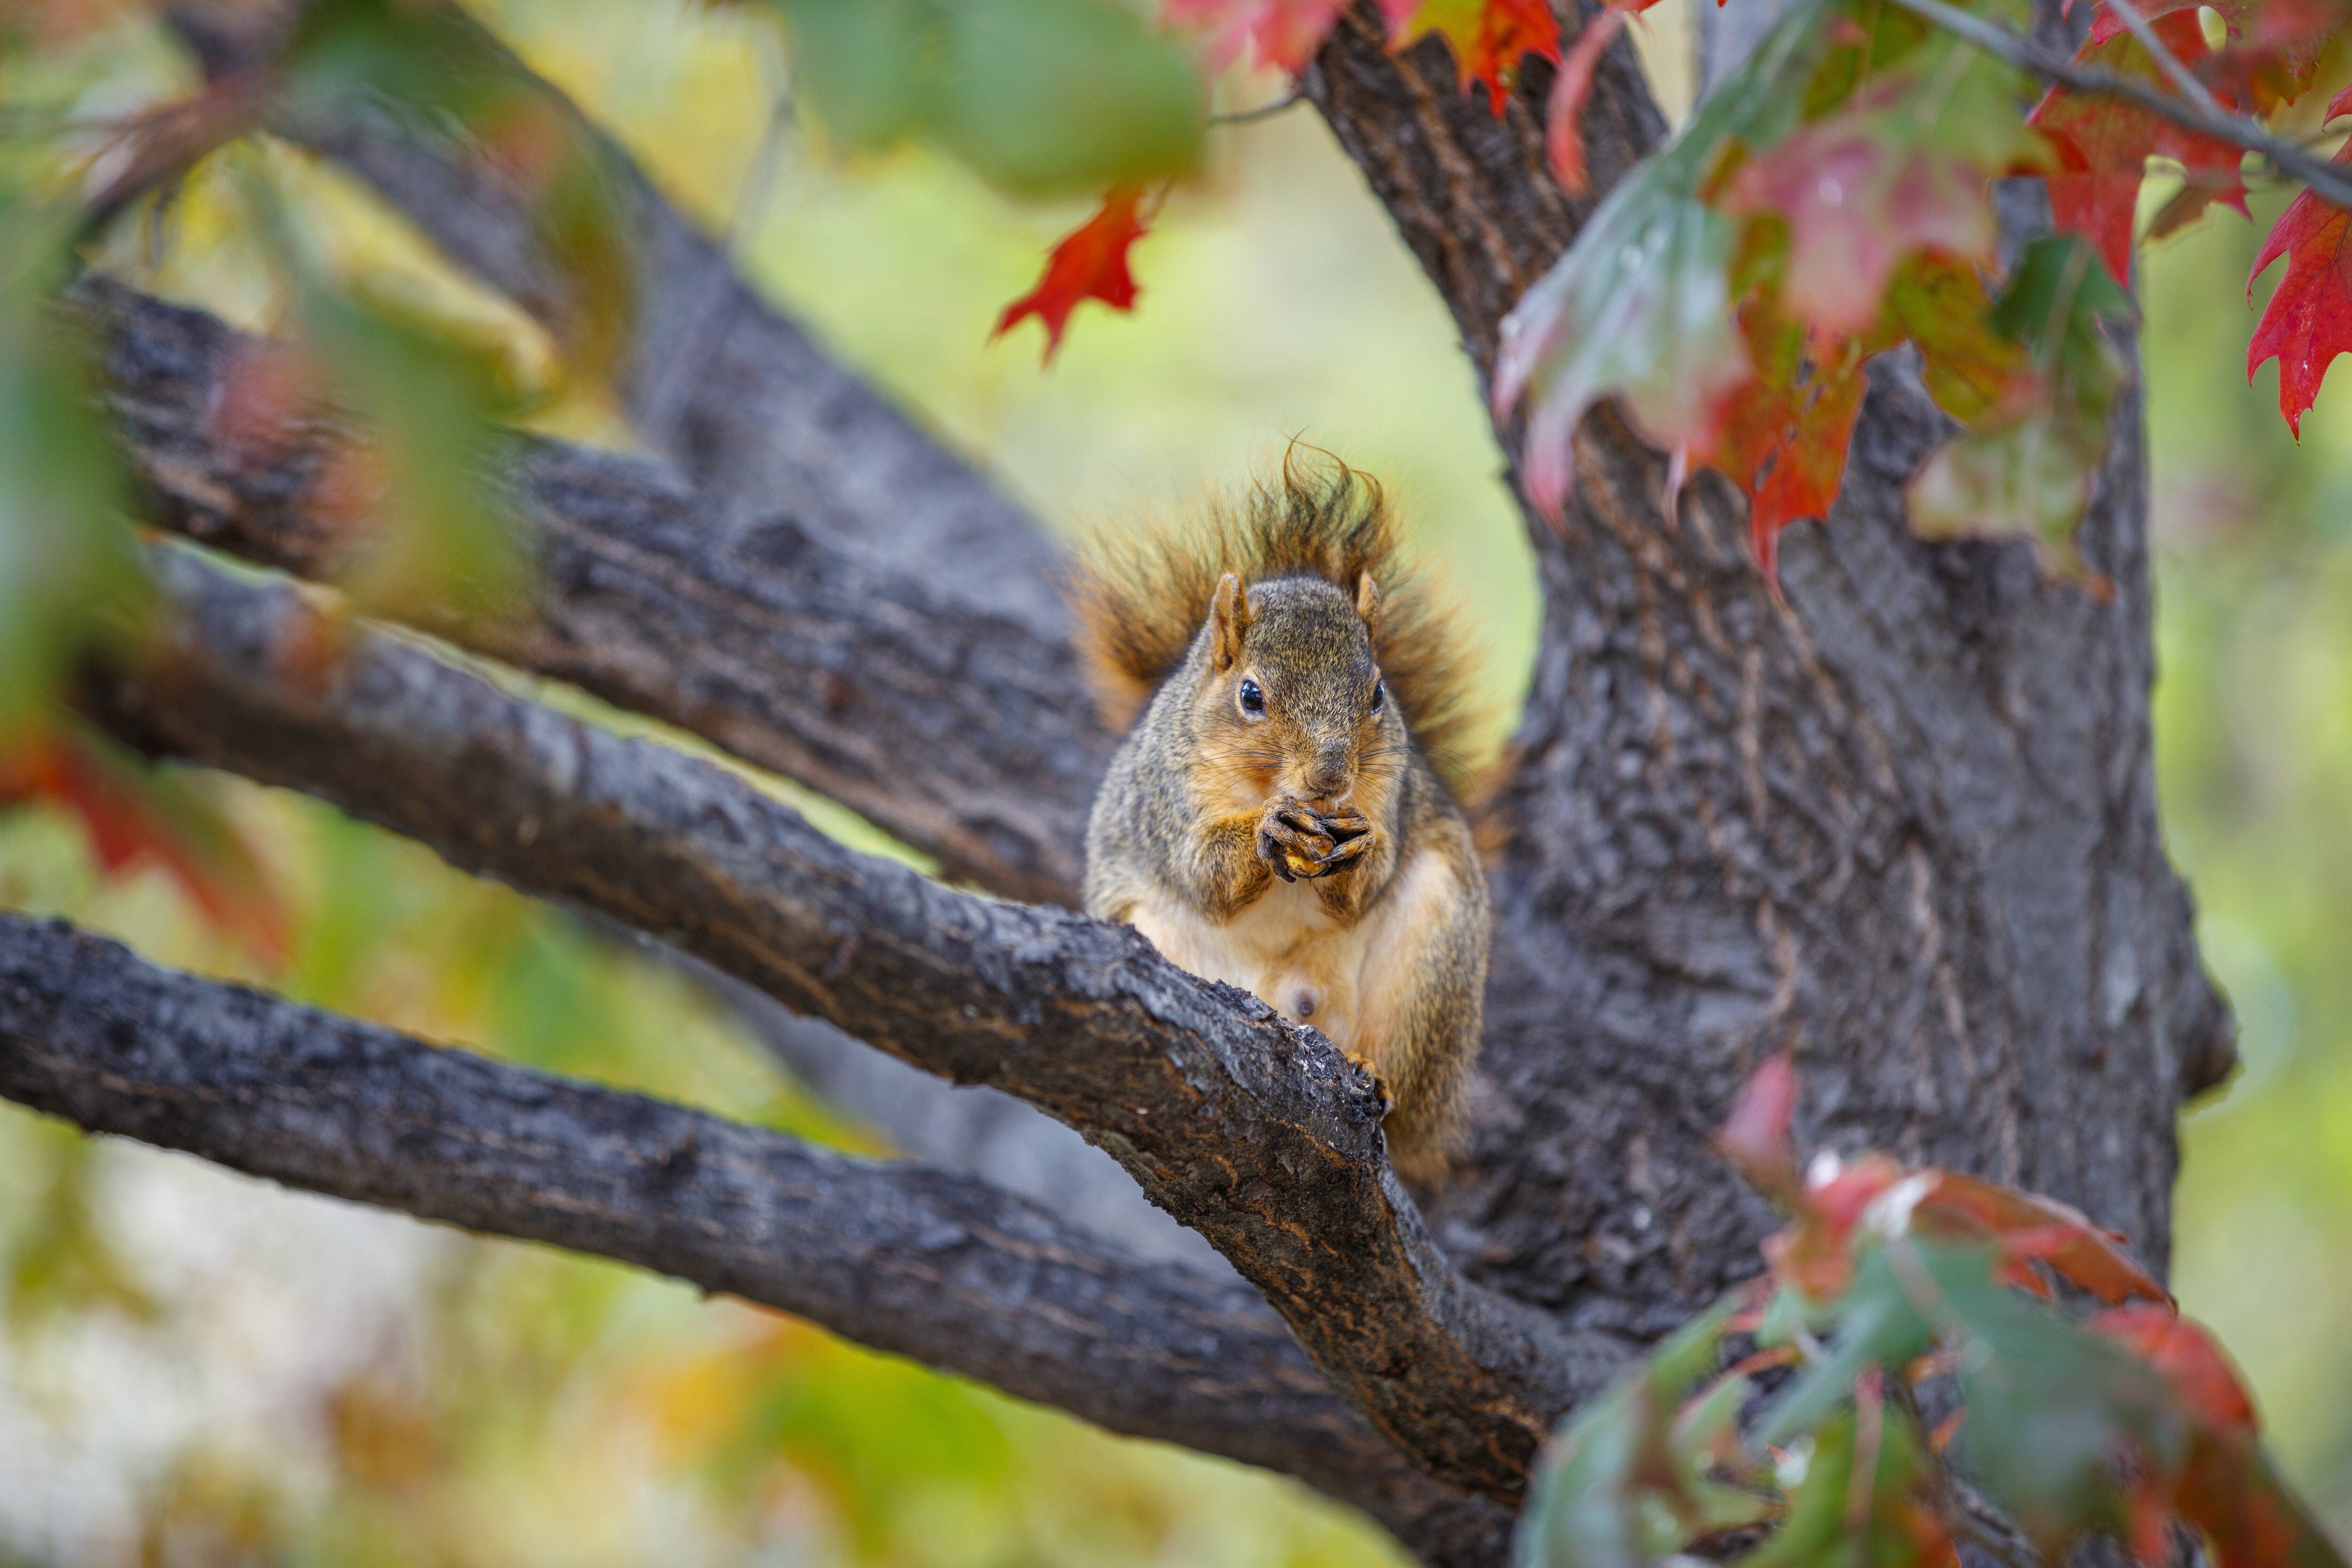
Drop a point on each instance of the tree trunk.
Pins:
(1903, 824)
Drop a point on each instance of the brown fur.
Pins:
(1270, 820)
(1139, 599)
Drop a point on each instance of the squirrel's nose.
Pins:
(1329, 776)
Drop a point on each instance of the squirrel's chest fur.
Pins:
(1288, 948)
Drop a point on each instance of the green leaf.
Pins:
(1625, 1483)
(2050, 1407)
(1877, 1324)
(1969, 368)
(2029, 470)
(2056, 304)
(419, 57)
(1054, 95)
(436, 540)
(865, 64)
(1897, 1529)
(1640, 306)
(1041, 97)
(70, 575)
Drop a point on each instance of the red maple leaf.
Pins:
(2103, 144)
(1285, 33)
(1090, 263)
(2189, 1359)
(1488, 37)
(2308, 321)
(2272, 51)
(134, 819)
(1785, 434)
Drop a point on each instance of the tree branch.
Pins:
(901, 1258)
(767, 422)
(959, 731)
(2203, 115)
(1258, 1135)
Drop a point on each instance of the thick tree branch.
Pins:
(959, 731)
(898, 1257)
(1257, 1134)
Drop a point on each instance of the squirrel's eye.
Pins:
(1252, 699)
(1380, 694)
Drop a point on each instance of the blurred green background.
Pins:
(196, 1369)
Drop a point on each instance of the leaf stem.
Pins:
(2323, 179)
(1263, 112)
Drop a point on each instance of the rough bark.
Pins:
(957, 730)
(1904, 822)
(962, 732)
(1257, 1134)
(968, 1129)
(904, 1258)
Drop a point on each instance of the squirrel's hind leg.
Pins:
(1423, 986)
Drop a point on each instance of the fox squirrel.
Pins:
(1281, 816)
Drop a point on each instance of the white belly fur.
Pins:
(1288, 950)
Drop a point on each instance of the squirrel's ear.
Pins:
(1367, 604)
(1228, 621)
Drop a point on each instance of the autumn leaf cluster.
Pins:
(1908, 1314)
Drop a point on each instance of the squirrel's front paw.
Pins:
(1351, 832)
(1291, 841)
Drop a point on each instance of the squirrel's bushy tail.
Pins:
(1141, 596)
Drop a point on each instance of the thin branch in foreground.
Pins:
(1258, 1135)
(2165, 60)
(1291, 100)
(2325, 180)
(901, 1258)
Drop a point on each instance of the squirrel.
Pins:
(1283, 816)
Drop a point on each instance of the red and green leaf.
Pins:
(2028, 468)
(1089, 263)
(135, 816)
(2308, 320)
(1488, 37)
(2103, 144)
(1889, 1278)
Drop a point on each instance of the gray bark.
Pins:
(903, 1258)
(1258, 1135)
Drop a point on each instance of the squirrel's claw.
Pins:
(1291, 842)
(1346, 851)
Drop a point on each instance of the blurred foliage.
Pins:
(195, 1369)
(1799, 1401)
(1042, 97)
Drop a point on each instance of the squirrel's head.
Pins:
(1292, 695)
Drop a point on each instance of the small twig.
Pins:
(1296, 96)
(2324, 179)
(2169, 63)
